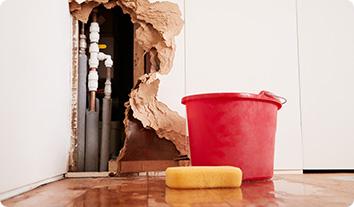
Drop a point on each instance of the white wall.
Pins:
(248, 46)
(35, 65)
(326, 29)
(252, 45)
(240, 46)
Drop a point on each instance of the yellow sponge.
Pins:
(203, 177)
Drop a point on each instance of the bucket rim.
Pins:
(234, 95)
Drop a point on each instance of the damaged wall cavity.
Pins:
(157, 24)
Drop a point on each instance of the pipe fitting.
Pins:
(93, 80)
(107, 58)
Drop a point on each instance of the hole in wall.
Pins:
(117, 40)
(141, 35)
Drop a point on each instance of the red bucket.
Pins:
(235, 129)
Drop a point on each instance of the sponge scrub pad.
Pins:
(203, 177)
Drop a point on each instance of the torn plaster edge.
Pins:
(72, 164)
(154, 114)
(151, 33)
(179, 140)
(126, 123)
(124, 148)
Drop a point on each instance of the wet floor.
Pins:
(283, 190)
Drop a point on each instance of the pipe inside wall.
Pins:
(96, 158)
(82, 101)
(92, 115)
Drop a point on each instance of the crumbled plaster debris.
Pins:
(157, 24)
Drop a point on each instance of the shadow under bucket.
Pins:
(234, 129)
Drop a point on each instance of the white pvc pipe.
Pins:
(92, 120)
(93, 63)
(108, 63)
(92, 115)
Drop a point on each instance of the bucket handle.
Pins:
(272, 95)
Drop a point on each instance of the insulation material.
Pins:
(156, 25)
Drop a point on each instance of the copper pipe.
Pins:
(92, 101)
(108, 73)
(83, 28)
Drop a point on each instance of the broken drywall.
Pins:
(155, 114)
(142, 142)
(147, 120)
(158, 24)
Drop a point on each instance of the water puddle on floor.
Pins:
(343, 178)
(293, 188)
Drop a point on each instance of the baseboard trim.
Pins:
(324, 171)
(25, 188)
(288, 172)
(86, 174)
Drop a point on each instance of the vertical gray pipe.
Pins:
(106, 132)
(82, 93)
(92, 140)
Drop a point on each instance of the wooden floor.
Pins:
(284, 190)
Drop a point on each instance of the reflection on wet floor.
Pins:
(139, 194)
(174, 196)
(283, 190)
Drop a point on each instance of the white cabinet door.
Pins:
(326, 29)
(248, 46)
